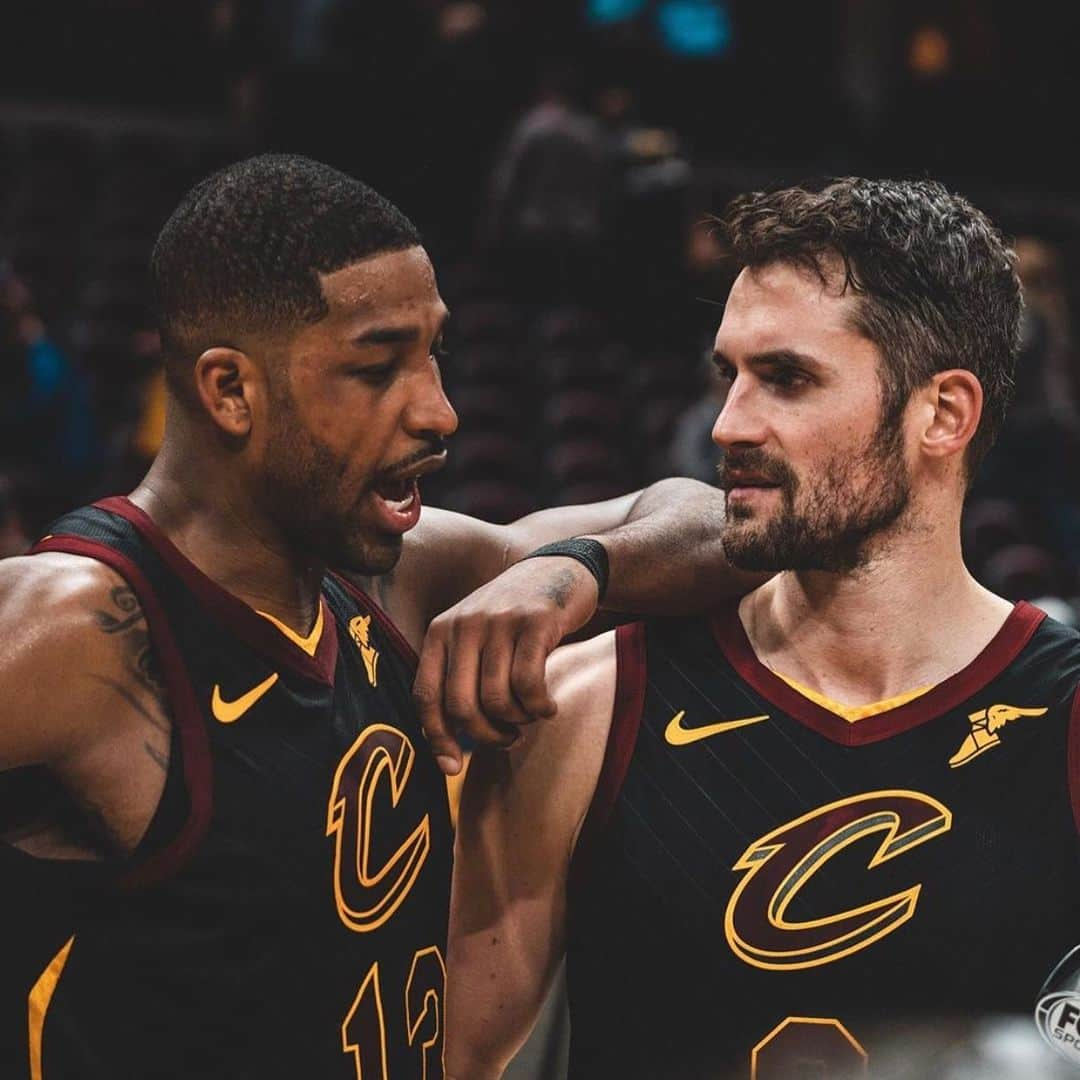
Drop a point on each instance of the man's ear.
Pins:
(227, 382)
(953, 403)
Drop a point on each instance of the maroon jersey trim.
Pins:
(1074, 757)
(154, 866)
(243, 620)
(408, 653)
(1003, 648)
(630, 680)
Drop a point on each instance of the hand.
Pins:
(482, 664)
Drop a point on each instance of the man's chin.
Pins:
(753, 557)
(747, 548)
(370, 557)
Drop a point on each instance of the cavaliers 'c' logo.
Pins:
(367, 896)
(778, 865)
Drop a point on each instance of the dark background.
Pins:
(561, 159)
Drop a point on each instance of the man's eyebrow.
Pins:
(396, 335)
(387, 335)
(771, 357)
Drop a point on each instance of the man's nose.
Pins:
(431, 411)
(741, 421)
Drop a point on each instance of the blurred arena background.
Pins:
(562, 158)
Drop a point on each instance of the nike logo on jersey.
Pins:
(677, 735)
(228, 712)
(985, 726)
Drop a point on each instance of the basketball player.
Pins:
(849, 798)
(227, 849)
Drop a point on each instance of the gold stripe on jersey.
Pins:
(310, 643)
(41, 994)
(854, 713)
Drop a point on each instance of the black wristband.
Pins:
(590, 553)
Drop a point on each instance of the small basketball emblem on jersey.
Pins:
(360, 630)
(985, 725)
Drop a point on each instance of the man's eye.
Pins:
(377, 374)
(787, 378)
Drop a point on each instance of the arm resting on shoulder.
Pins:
(520, 815)
(481, 665)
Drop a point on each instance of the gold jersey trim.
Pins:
(310, 643)
(854, 713)
(41, 994)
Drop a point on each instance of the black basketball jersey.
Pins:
(761, 885)
(286, 913)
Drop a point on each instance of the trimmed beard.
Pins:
(832, 528)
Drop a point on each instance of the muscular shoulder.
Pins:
(545, 782)
(68, 623)
(582, 680)
(54, 599)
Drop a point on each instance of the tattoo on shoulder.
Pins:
(127, 618)
(128, 611)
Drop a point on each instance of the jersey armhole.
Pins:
(1074, 758)
(630, 680)
(160, 853)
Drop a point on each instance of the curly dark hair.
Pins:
(243, 251)
(936, 281)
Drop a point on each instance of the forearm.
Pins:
(466, 1066)
(667, 557)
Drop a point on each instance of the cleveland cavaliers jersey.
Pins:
(761, 885)
(286, 913)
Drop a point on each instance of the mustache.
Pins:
(757, 462)
(433, 447)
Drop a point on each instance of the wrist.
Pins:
(587, 551)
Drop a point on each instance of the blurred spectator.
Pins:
(1032, 461)
(1055, 385)
(136, 414)
(551, 192)
(693, 452)
(13, 538)
(1057, 608)
(990, 525)
(1023, 572)
(47, 432)
(149, 428)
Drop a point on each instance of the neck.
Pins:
(220, 530)
(911, 616)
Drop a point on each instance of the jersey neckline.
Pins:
(1014, 634)
(243, 620)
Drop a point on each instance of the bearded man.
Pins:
(847, 798)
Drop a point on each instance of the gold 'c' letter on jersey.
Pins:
(779, 864)
(367, 897)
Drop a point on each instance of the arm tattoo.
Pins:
(124, 599)
(141, 663)
(132, 624)
(155, 755)
(135, 703)
(559, 588)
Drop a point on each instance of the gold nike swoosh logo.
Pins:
(230, 711)
(678, 735)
